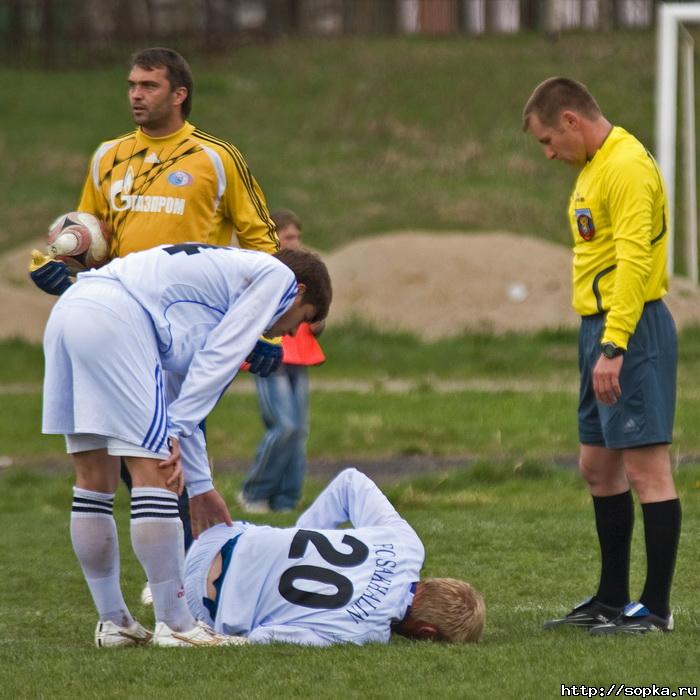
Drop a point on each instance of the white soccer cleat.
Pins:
(109, 634)
(201, 635)
(146, 595)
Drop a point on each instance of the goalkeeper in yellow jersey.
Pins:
(618, 213)
(170, 182)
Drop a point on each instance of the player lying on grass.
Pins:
(194, 311)
(317, 585)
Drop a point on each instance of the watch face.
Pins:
(610, 351)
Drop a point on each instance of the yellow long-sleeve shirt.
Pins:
(619, 220)
(187, 186)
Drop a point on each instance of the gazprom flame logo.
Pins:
(120, 190)
(121, 198)
(180, 178)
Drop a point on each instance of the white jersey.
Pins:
(208, 306)
(191, 309)
(313, 584)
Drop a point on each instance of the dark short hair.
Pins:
(311, 271)
(177, 69)
(554, 95)
(284, 218)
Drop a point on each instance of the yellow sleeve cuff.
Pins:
(616, 337)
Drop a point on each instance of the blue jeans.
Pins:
(277, 475)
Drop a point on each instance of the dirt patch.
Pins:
(25, 308)
(433, 285)
(383, 470)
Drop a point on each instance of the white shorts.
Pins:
(82, 442)
(103, 375)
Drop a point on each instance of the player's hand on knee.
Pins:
(206, 510)
(176, 480)
(265, 357)
(51, 276)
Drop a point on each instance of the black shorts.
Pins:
(644, 414)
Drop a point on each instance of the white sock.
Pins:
(93, 533)
(156, 535)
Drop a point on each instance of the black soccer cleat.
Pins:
(586, 615)
(635, 619)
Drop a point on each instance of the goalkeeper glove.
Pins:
(265, 357)
(51, 276)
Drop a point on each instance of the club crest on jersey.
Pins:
(180, 178)
(584, 221)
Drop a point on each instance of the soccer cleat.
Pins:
(201, 635)
(586, 614)
(146, 595)
(252, 506)
(635, 619)
(109, 634)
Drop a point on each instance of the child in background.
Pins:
(276, 478)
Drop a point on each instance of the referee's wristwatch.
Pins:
(610, 350)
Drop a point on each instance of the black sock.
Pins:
(614, 519)
(662, 529)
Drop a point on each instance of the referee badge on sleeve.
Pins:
(584, 221)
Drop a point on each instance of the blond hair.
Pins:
(554, 95)
(455, 607)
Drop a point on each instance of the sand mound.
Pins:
(437, 285)
(433, 285)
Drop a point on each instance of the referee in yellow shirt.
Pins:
(618, 213)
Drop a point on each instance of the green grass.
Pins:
(357, 351)
(504, 425)
(358, 135)
(526, 541)
(527, 410)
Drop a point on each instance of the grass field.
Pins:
(507, 398)
(527, 542)
(520, 528)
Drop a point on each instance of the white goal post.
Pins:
(669, 34)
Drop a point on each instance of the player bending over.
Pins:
(317, 585)
(194, 311)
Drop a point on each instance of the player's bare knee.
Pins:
(145, 472)
(651, 484)
(637, 478)
(95, 470)
(649, 471)
(590, 474)
(603, 478)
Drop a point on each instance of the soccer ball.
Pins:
(80, 240)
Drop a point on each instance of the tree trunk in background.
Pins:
(126, 27)
(47, 33)
(606, 15)
(211, 24)
(282, 17)
(370, 16)
(530, 14)
(16, 28)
